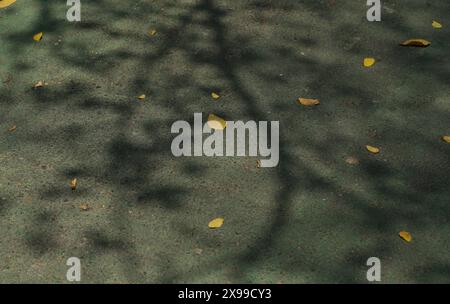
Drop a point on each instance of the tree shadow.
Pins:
(314, 218)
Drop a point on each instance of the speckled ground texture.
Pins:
(313, 219)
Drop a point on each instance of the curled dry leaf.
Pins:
(216, 223)
(446, 138)
(73, 184)
(405, 236)
(368, 62)
(436, 24)
(38, 37)
(215, 96)
(198, 251)
(216, 122)
(258, 163)
(308, 102)
(373, 149)
(12, 128)
(84, 207)
(6, 3)
(416, 43)
(38, 84)
(152, 32)
(141, 97)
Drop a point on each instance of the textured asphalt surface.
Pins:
(312, 219)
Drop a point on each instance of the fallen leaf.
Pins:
(141, 97)
(216, 223)
(446, 138)
(405, 235)
(84, 207)
(258, 163)
(368, 62)
(351, 160)
(308, 102)
(152, 32)
(198, 251)
(216, 123)
(38, 37)
(13, 128)
(215, 96)
(38, 85)
(436, 24)
(416, 43)
(73, 183)
(373, 149)
(6, 3)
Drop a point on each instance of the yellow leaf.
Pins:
(152, 32)
(13, 128)
(368, 62)
(73, 183)
(141, 97)
(215, 96)
(446, 138)
(436, 24)
(373, 149)
(216, 223)
(38, 36)
(308, 102)
(405, 235)
(416, 42)
(5, 3)
(216, 123)
(84, 207)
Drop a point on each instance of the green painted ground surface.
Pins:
(314, 218)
